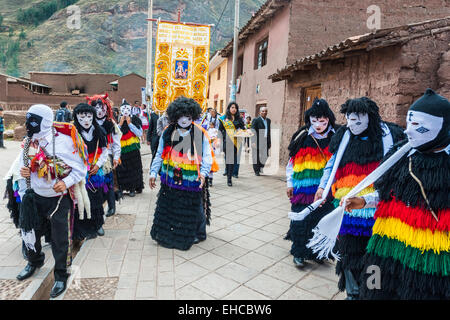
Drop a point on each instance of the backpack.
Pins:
(60, 115)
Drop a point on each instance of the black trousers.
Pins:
(154, 146)
(1, 139)
(231, 161)
(259, 159)
(59, 234)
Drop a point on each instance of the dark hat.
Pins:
(436, 105)
(433, 104)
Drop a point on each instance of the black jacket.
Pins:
(259, 129)
(152, 126)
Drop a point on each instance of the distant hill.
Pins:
(112, 38)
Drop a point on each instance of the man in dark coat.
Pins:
(261, 141)
(152, 134)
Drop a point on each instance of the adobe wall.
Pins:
(393, 77)
(315, 25)
(64, 83)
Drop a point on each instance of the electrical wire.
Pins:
(220, 18)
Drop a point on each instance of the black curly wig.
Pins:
(98, 130)
(365, 105)
(319, 109)
(183, 107)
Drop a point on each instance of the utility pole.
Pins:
(148, 84)
(233, 88)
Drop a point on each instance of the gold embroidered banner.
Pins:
(181, 64)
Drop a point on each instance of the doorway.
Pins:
(309, 94)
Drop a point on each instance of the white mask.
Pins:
(85, 119)
(422, 127)
(319, 124)
(125, 111)
(184, 122)
(357, 122)
(101, 110)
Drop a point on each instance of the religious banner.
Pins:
(181, 64)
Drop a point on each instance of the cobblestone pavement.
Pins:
(244, 256)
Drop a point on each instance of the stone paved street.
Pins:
(244, 256)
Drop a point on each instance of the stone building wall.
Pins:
(316, 25)
(393, 77)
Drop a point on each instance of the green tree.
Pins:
(22, 35)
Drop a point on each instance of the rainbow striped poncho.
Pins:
(129, 142)
(411, 246)
(308, 166)
(358, 222)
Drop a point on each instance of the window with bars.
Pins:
(261, 53)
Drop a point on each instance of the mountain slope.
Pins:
(112, 38)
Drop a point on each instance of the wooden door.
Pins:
(309, 95)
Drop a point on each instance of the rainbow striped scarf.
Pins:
(308, 166)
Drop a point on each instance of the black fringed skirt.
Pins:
(129, 172)
(176, 217)
(300, 232)
(88, 227)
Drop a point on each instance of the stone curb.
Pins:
(40, 281)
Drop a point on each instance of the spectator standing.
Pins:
(152, 134)
(229, 124)
(145, 122)
(2, 128)
(261, 141)
(248, 126)
(63, 114)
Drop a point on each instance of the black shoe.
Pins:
(229, 184)
(139, 191)
(111, 212)
(198, 240)
(27, 272)
(58, 288)
(119, 195)
(235, 176)
(224, 174)
(299, 262)
(91, 236)
(101, 232)
(132, 194)
(257, 174)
